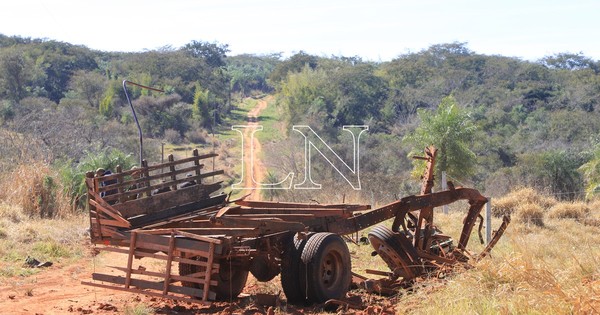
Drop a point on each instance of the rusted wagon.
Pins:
(197, 245)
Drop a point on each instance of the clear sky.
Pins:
(374, 30)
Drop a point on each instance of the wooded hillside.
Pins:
(534, 123)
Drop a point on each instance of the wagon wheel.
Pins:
(231, 279)
(396, 250)
(327, 267)
(291, 268)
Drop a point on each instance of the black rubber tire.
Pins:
(263, 269)
(407, 253)
(231, 280)
(186, 269)
(291, 268)
(328, 269)
(229, 284)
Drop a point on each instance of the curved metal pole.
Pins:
(125, 82)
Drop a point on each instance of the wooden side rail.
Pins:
(157, 277)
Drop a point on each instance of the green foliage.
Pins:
(89, 86)
(359, 95)
(591, 173)
(15, 73)
(294, 64)
(145, 79)
(214, 54)
(569, 61)
(250, 72)
(106, 106)
(7, 111)
(73, 175)
(200, 107)
(555, 171)
(304, 96)
(450, 129)
(520, 107)
(274, 190)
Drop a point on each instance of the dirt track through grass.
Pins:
(253, 167)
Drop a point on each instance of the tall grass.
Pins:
(549, 268)
(524, 195)
(36, 189)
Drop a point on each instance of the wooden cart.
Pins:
(173, 212)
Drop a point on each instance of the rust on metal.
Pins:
(173, 213)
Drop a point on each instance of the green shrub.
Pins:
(73, 176)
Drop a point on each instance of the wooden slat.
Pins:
(172, 171)
(160, 256)
(169, 261)
(211, 250)
(158, 166)
(158, 177)
(316, 212)
(118, 220)
(288, 205)
(146, 284)
(115, 223)
(174, 297)
(176, 208)
(195, 277)
(132, 244)
(161, 243)
(182, 233)
(108, 231)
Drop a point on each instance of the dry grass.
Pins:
(550, 270)
(529, 213)
(56, 240)
(36, 190)
(569, 210)
(526, 195)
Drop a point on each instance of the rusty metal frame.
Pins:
(257, 231)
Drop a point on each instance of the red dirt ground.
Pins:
(58, 290)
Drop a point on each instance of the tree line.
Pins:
(526, 123)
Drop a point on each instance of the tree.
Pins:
(214, 54)
(200, 108)
(15, 73)
(591, 173)
(360, 94)
(88, 86)
(451, 130)
(295, 63)
(274, 190)
(106, 106)
(304, 98)
(569, 61)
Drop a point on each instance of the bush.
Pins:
(34, 188)
(526, 195)
(530, 213)
(569, 210)
(73, 177)
(172, 136)
(197, 136)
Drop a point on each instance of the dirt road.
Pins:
(58, 290)
(253, 167)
